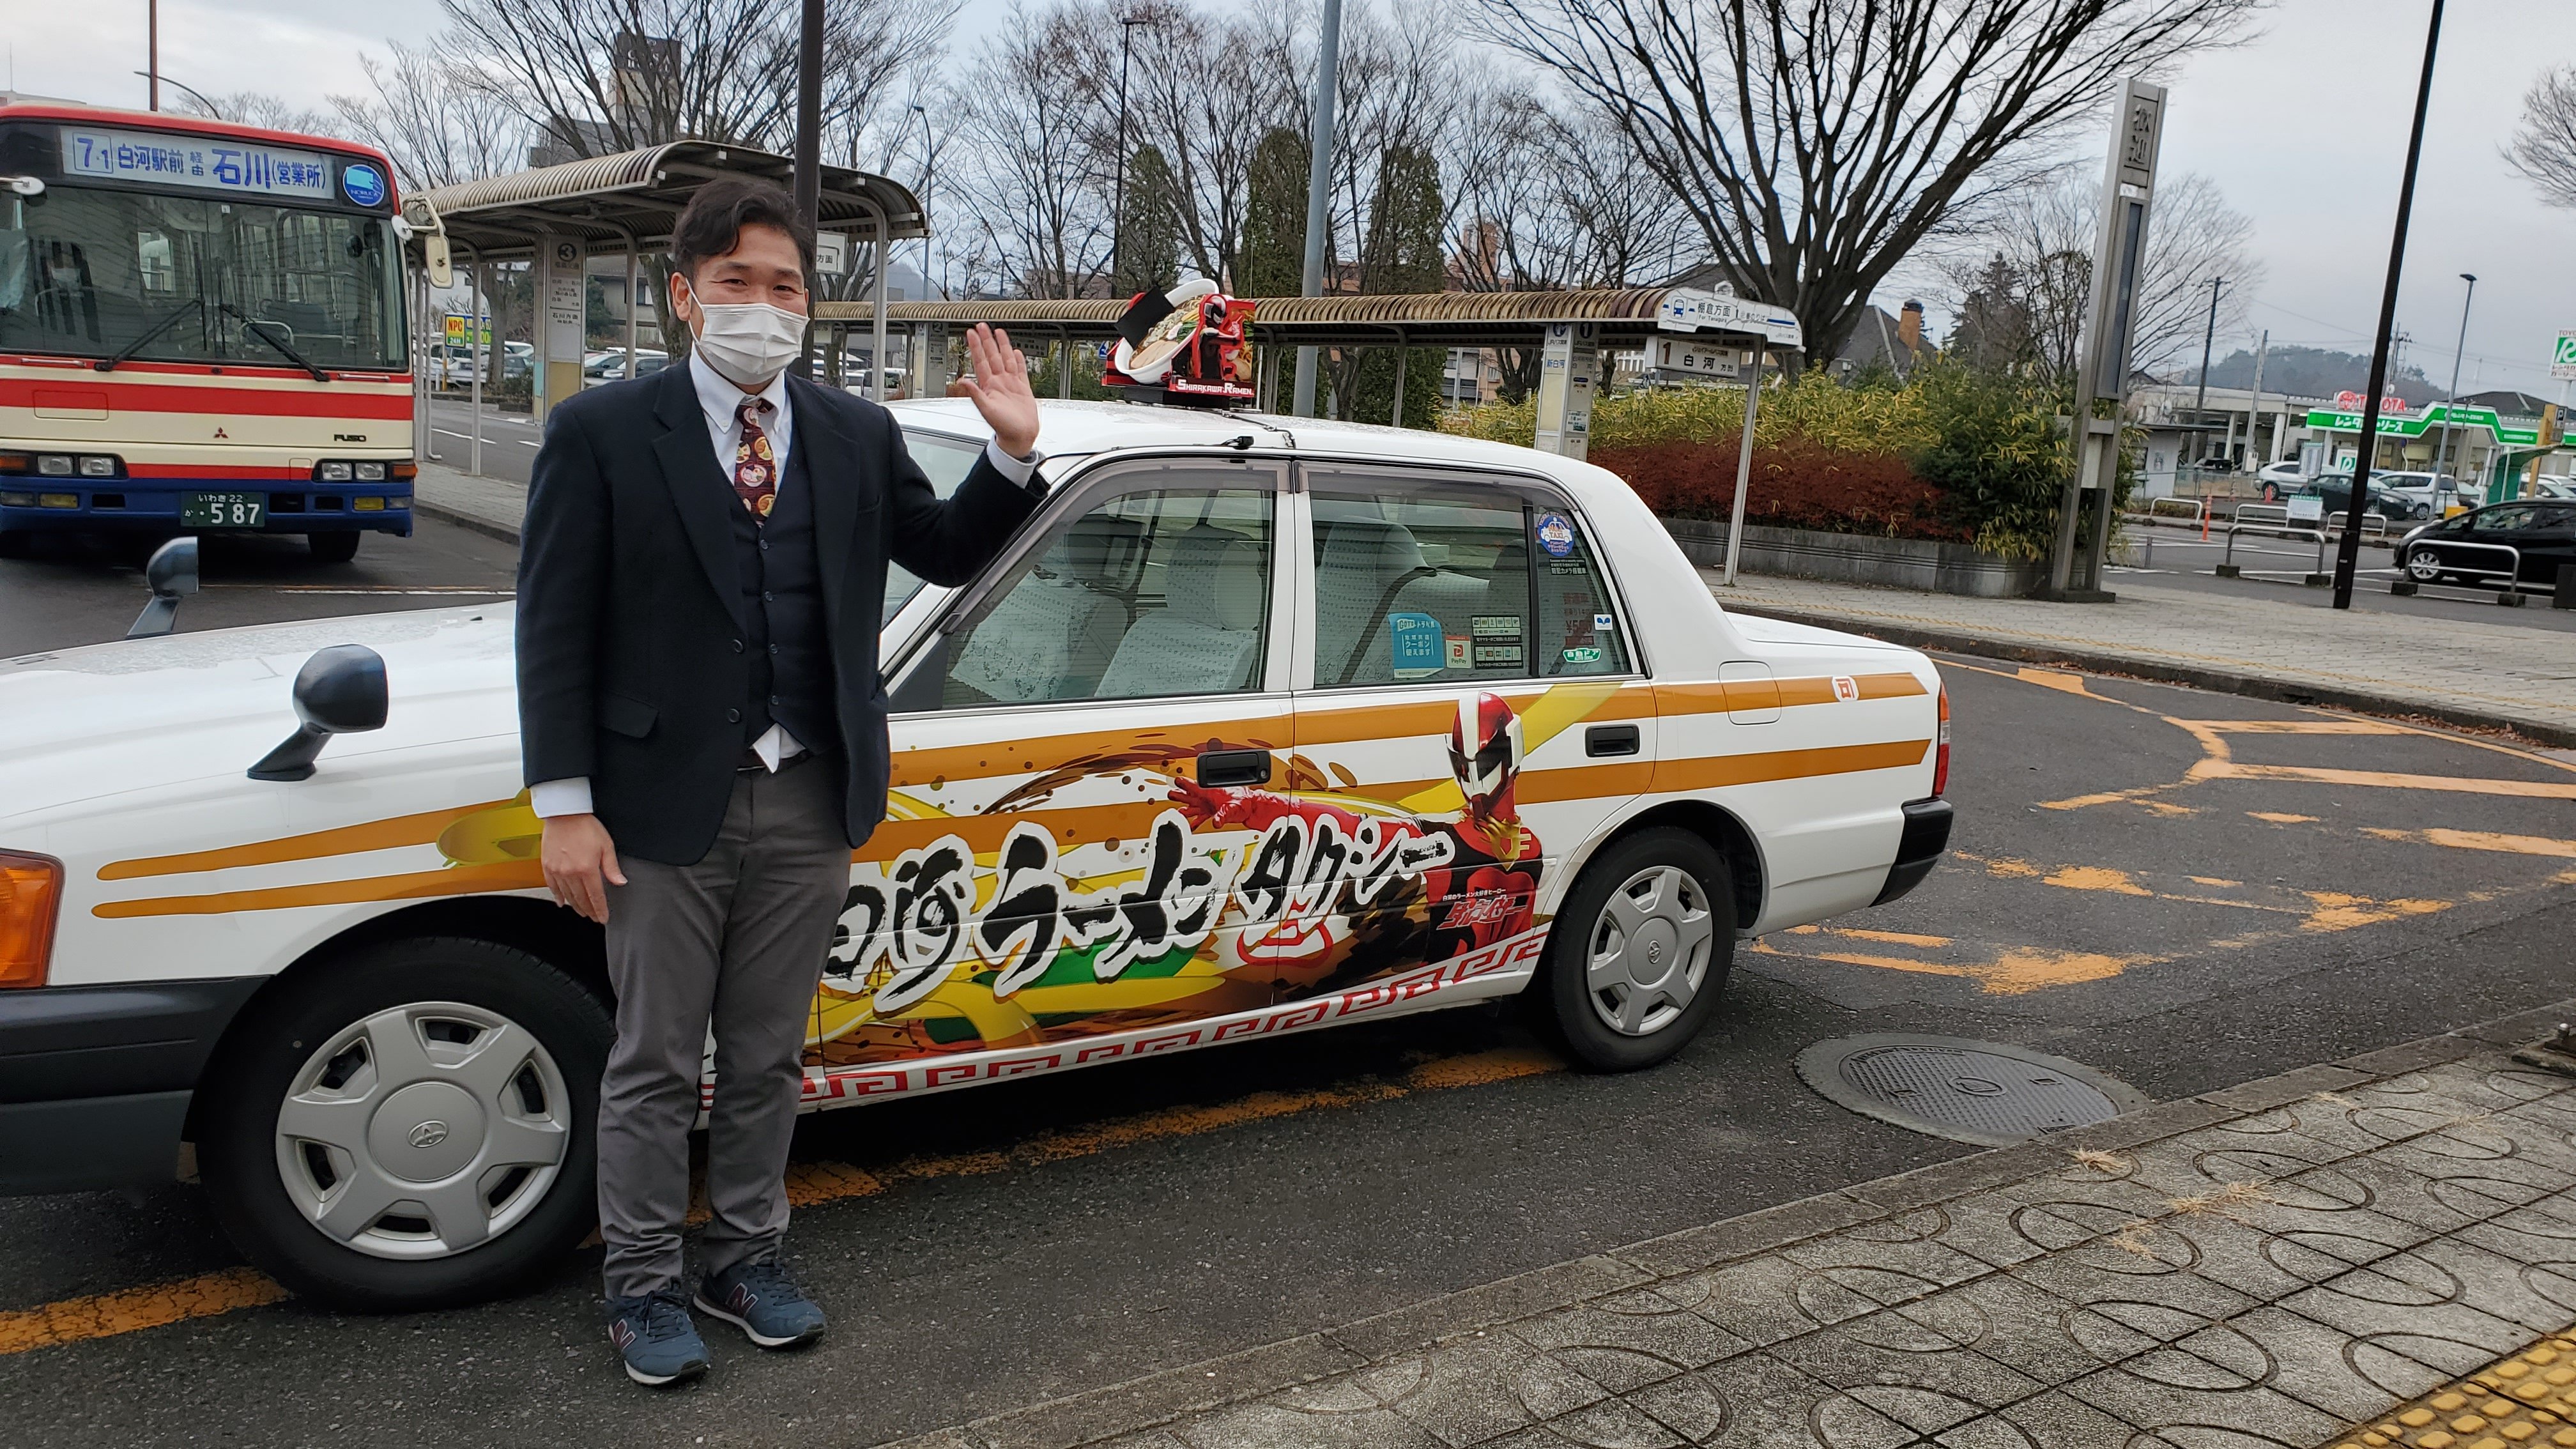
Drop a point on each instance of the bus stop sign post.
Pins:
(2128, 186)
(2348, 555)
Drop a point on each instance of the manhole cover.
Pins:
(1987, 1092)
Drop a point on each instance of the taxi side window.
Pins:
(1447, 585)
(1148, 594)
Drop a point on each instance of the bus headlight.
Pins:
(371, 472)
(333, 473)
(97, 467)
(54, 465)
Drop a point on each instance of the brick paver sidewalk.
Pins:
(2320, 1258)
(2472, 673)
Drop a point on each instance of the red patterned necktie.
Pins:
(755, 466)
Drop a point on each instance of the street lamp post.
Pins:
(2442, 455)
(1319, 170)
(2200, 400)
(2348, 556)
(159, 81)
(152, 51)
(1118, 207)
(929, 164)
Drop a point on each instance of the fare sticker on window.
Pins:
(1415, 644)
(1554, 534)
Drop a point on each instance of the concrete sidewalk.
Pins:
(2376, 1252)
(2481, 675)
(491, 506)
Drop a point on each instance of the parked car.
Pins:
(2469, 547)
(2280, 480)
(2430, 495)
(2549, 487)
(454, 364)
(611, 367)
(2336, 490)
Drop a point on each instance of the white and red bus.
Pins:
(201, 329)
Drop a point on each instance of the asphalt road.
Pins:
(509, 439)
(2274, 569)
(2184, 890)
(86, 590)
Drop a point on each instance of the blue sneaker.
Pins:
(757, 1298)
(656, 1338)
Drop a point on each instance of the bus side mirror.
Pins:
(442, 269)
(172, 575)
(339, 691)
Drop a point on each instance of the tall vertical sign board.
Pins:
(2110, 316)
(560, 264)
(1569, 366)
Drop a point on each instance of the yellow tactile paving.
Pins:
(2528, 1398)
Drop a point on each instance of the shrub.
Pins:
(1795, 484)
(1996, 456)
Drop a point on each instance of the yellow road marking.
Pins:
(2096, 878)
(2009, 971)
(2294, 726)
(2479, 840)
(2386, 780)
(2212, 880)
(2280, 818)
(1893, 938)
(2057, 679)
(105, 1315)
(2339, 912)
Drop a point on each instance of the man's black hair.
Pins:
(712, 222)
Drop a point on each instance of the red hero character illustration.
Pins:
(1487, 891)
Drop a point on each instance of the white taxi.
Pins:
(1261, 726)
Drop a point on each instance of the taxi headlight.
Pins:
(31, 891)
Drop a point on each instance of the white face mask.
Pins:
(749, 342)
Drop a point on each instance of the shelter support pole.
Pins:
(1401, 354)
(424, 437)
(1743, 469)
(877, 336)
(934, 359)
(1064, 363)
(474, 339)
(1567, 361)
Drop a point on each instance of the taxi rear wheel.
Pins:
(1640, 952)
(410, 1127)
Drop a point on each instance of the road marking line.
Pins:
(128, 1310)
(2010, 971)
(2294, 726)
(2478, 840)
(1893, 938)
(2278, 818)
(2385, 780)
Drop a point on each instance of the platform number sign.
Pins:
(2562, 362)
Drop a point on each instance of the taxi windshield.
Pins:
(116, 273)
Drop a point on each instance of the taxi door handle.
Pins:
(1610, 739)
(1234, 767)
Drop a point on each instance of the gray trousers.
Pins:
(735, 942)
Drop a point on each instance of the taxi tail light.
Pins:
(1941, 749)
(31, 890)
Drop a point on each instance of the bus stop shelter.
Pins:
(1684, 331)
(558, 217)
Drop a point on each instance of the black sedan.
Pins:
(2529, 540)
(2336, 490)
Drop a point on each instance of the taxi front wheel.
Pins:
(1640, 952)
(410, 1127)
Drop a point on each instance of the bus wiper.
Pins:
(126, 353)
(260, 330)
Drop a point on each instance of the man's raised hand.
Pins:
(1000, 387)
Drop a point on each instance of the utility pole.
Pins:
(1118, 208)
(2348, 556)
(2442, 455)
(1319, 171)
(2200, 401)
(2254, 410)
(152, 48)
(809, 161)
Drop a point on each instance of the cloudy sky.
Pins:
(2303, 129)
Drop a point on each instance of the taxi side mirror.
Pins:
(340, 690)
(172, 576)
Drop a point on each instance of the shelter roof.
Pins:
(605, 200)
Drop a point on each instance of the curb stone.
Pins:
(1142, 1404)
(2221, 681)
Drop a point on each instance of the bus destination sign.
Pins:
(208, 162)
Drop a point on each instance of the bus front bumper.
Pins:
(32, 504)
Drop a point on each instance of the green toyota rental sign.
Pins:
(2393, 426)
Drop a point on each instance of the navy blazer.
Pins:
(630, 638)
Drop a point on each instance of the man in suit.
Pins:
(704, 732)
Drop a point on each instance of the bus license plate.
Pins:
(222, 510)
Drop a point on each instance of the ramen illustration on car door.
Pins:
(1252, 731)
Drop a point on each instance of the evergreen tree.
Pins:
(1149, 233)
(1273, 263)
(1401, 254)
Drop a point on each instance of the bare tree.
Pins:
(1815, 143)
(254, 108)
(2035, 262)
(1036, 184)
(2544, 146)
(438, 127)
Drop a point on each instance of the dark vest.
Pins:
(782, 605)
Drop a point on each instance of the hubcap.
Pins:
(423, 1130)
(2423, 564)
(1650, 950)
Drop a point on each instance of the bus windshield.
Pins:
(177, 278)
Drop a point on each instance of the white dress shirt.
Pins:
(721, 399)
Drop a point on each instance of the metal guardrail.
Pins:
(2272, 520)
(2195, 509)
(2511, 573)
